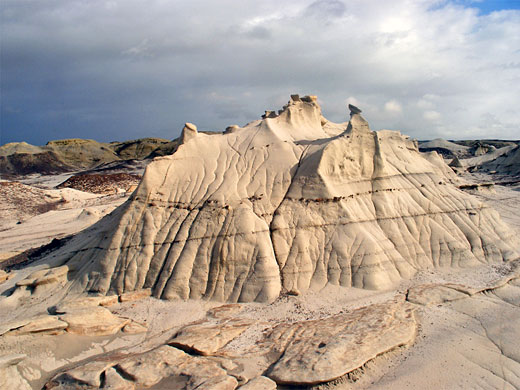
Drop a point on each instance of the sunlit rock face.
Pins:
(288, 203)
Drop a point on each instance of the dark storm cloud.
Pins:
(126, 69)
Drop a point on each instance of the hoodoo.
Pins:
(288, 203)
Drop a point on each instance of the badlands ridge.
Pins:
(292, 251)
(285, 204)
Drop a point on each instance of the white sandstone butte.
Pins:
(285, 204)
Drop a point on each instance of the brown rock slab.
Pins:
(322, 350)
(207, 338)
(93, 321)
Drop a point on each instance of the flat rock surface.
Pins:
(323, 350)
(148, 369)
(207, 338)
(93, 321)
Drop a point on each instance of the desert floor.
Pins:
(468, 342)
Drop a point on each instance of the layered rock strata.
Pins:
(288, 203)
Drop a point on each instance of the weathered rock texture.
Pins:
(286, 204)
(304, 352)
(146, 370)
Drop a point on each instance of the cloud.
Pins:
(431, 115)
(126, 69)
(393, 107)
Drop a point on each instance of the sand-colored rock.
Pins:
(287, 204)
(45, 276)
(41, 324)
(114, 381)
(320, 351)
(181, 370)
(93, 321)
(135, 295)
(259, 383)
(84, 302)
(10, 377)
(150, 368)
(188, 132)
(207, 338)
(134, 328)
(4, 276)
(433, 294)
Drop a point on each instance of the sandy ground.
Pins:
(466, 344)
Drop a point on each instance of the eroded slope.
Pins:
(286, 204)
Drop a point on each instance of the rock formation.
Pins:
(285, 204)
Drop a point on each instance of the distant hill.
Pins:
(21, 158)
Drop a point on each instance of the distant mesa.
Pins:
(286, 204)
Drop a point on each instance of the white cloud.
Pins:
(393, 107)
(431, 115)
(437, 63)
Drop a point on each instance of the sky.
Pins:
(124, 69)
